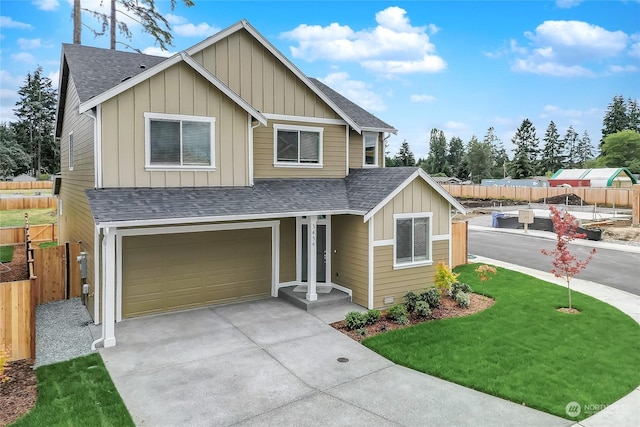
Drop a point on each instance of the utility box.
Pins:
(525, 216)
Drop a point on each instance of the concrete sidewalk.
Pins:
(626, 411)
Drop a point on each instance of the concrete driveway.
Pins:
(268, 363)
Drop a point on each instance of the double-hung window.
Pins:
(179, 142)
(370, 141)
(412, 244)
(297, 146)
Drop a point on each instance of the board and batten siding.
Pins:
(356, 150)
(76, 223)
(349, 258)
(254, 73)
(333, 154)
(396, 283)
(416, 197)
(287, 250)
(176, 90)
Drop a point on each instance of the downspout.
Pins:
(347, 156)
(251, 128)
(384, 146)
(96, 274)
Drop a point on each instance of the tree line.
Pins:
(532, 156)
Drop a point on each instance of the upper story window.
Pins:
(297, 146)
(412, 244)
(71, 151)
(370, 148)
(179, 142)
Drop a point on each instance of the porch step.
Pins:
(297, 299)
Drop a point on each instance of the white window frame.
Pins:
(177, 118)
(412, 216)
(278, 127)
(70, 145)
(364, 150)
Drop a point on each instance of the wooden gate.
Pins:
(459, 243)
(57, 273)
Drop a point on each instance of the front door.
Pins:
(321, 253)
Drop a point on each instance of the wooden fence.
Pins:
(619, 197)
(33, 185)
(18, 319)
(39, 233)
(636, 205)
(459, 243)
(35, 202)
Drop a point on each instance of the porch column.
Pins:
(312, 230)
(108, 289)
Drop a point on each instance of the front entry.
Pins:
(321, 253)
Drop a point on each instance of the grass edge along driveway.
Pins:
(522, 349)
(76, 393)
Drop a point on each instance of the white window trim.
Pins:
(429, 261)
(364, 150)
(177, 117)
(71, 145)
(276, 163)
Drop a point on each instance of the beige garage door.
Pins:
(177, 271)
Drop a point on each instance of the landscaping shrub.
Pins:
(422, 309)
(398, 313)
(372, 316)
(432, 297)
(462, 299)
(410, 300)
(355, 320)
(460, 287)
(445, 278)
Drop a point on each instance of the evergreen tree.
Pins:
(615, 119)
(437, 159)
(633, 114)
(499, 156)
(479, 159)
(584, 151)
(36, 112)
(405, 156)
(525, 142)
(455, 157)
(553, 151)
(570, 142)
(13, 159)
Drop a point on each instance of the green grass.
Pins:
(15, 218)
(522, 349)
(76, 393)
(6, 253)
(47, 244)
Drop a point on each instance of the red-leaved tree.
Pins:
(565, 264)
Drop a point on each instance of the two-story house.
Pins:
(224, 173)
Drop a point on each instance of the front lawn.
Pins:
(6, 253)
(76, 393)
(523, 350)
(15, 217)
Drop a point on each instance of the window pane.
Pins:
(309, 147)
(287, 146)
(165, 142)
(403, 240)
(370, 143)
(196, 143)
(420, 239)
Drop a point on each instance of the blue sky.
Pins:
(459, 66)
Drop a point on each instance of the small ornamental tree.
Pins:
(565, 264)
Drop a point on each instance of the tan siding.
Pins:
(418, 196)
(396, 283)
(355, 150)
(287, 250)
(177, 90)
(333, 155)
(199, 269)
(350, 257)
(76, 223)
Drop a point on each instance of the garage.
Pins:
(165, 272)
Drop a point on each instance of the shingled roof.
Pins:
(358, 193)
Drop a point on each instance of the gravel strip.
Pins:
(62, 332)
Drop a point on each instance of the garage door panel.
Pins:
(178, 271)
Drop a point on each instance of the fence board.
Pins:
(49, 266)
(17, 319)
(35, 202)
(39, 233)
(459, 243)
(33, 185)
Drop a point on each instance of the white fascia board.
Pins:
(223, 88)
(129, 83)
(200, 220)
(303, 119)
(390, 130)
(215, 38)
(419, 172)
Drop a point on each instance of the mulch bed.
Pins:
(18, 265)
(17, 395)
(448, 309)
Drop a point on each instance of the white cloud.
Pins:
(550, 68)
(634, 50)
(8, 94)
(567, 4)
(175, 19)
(623, 68)
(29, 43)
(190, 30)
(355, 90)
(7, 22)
(393, 46)
(7, 80)
(23, 57)
(422, 98)
(54, 76)
(454, 126)
(154, 50)
(552, 111)
(47, 4)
